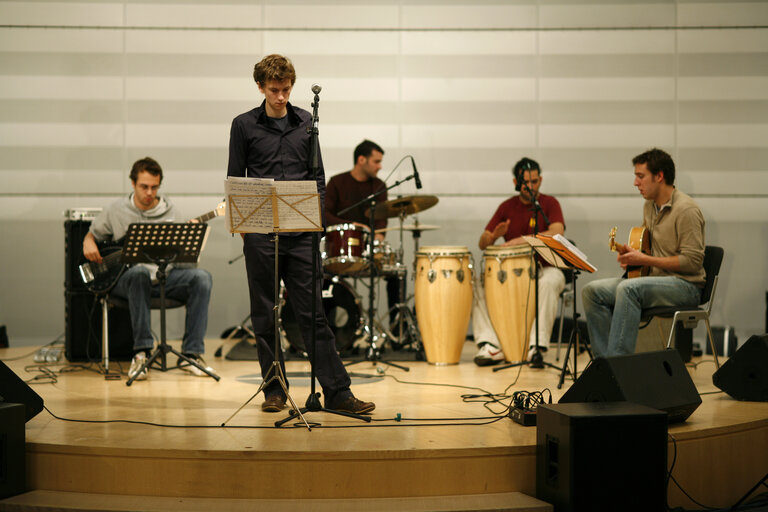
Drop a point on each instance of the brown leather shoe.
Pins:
(274, 403)
(355, 406)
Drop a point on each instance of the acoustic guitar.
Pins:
(101, 277)
(639, 240)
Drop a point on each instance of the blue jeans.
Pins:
(614, 306)
(189, 285)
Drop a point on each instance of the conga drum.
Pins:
(443, 291)
(510, 296)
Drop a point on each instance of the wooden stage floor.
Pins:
(436, 431)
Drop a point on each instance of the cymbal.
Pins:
(407, 205)
(410, 227)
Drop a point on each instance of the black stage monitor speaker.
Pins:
(656, 379)
(745, 375)
(16, 391)
(13, 464)
(606, 456)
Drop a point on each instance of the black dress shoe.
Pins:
(354, 406)
(274, 403)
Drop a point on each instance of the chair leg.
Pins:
(105, 333)
(712, 343)
(672, 331)
(560, 333)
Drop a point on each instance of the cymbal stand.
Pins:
(405, 317)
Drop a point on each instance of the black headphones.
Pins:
(525, 164)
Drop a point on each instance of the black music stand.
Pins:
(162, 244)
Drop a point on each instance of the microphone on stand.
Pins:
(316, 88)
(415, 173)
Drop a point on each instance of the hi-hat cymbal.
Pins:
(410, 227)
(407, 205)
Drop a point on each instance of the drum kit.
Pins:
(347, 257)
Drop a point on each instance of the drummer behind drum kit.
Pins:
(346, 256)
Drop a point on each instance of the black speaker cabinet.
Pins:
(82, 333)
(13, 465)
(745, 375)
(14, 390)
(74, 232)
(656, 379)
(604, 456)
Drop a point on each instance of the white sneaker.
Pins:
(136, 363)
(194, 370)
(488, 354)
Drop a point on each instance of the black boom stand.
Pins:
(313, 400)
(536, 360)
(162, 244)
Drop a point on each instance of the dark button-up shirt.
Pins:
(259, 149)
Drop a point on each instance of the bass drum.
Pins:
(342, 309)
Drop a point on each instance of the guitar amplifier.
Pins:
(82, 313)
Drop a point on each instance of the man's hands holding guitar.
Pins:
(91, 249)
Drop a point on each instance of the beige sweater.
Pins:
(677, 230)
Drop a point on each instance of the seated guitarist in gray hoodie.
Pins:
(137, 284)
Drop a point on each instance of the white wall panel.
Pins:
(722, 13)
(469, 16)
(193, 15)
(469, 136)
(176, 135)
(333, 43)
(60, 134)
(722, 41)
(193, 42)
(330, 16)
(722, 135)
(61, 40)
(608, 42)
(607, 136)
(472, 90)
(607, 89)
(190, 88)
(61, 87)
(721, 88)
(462, 43)
(602, 15)
(62, 13)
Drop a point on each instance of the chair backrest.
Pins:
(713, 258)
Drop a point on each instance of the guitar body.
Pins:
(101, 277)
(639, 240)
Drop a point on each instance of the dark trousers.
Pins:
(295, 268)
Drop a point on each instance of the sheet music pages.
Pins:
(558, 254)
(249, 205)
(298, 206)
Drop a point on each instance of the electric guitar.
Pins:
(639, 240)
(101, 277)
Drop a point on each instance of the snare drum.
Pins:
(443, 292)
(510, 296)
(343, 248)
(342, 309)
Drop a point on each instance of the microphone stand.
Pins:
(373, 353)
(313, 401)
(537, 360)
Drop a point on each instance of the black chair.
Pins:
(713, 259)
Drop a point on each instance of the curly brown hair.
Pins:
(274, 67)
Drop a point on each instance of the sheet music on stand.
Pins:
(257, 205)
(559, 252)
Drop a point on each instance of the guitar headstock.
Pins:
(612, 240)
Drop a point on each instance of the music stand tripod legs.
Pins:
(573, 340)
(161, 352)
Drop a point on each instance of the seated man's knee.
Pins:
(202, 282)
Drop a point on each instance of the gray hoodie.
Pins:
(112, 223)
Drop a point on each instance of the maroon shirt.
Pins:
(520, 215)
(343, 191)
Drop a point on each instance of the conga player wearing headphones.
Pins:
(512, 220)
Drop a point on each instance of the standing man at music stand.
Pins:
(512, 220)
(613, 306)
(273, 141)
(138, 284)
(348, 188)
